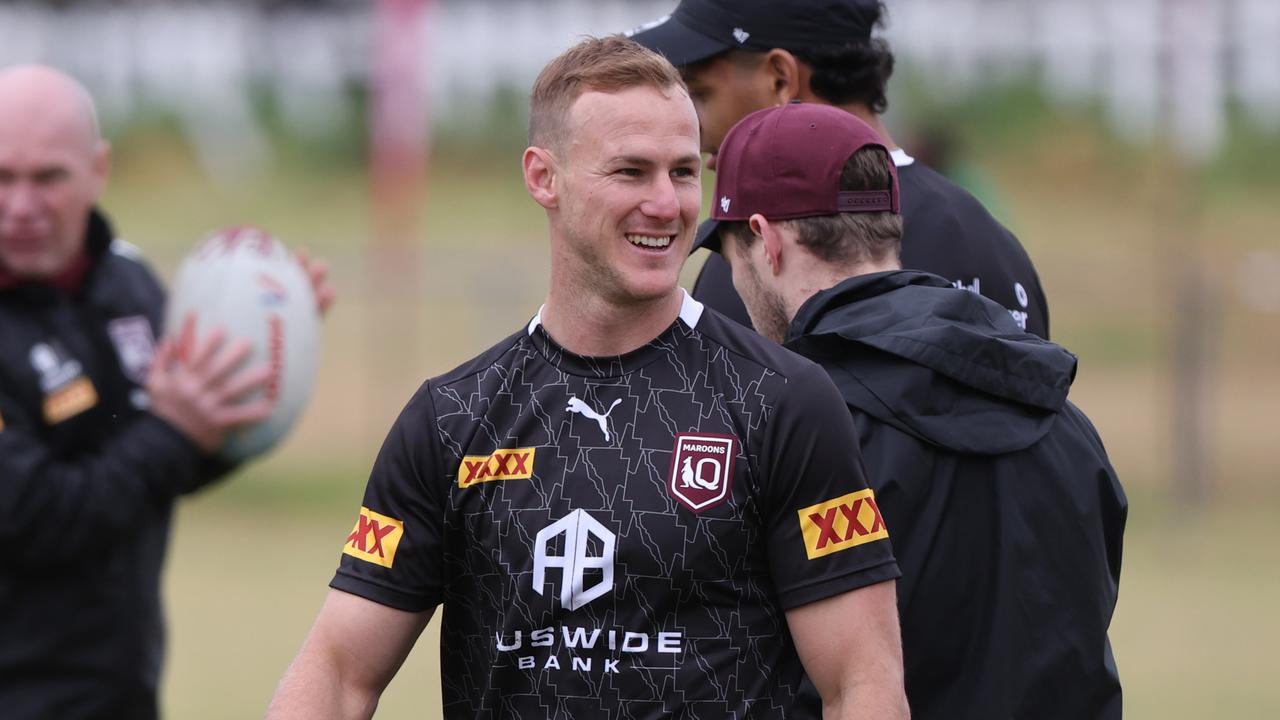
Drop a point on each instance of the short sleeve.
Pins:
(826, 534)
(393, 553)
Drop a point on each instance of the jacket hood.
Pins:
(945, 365)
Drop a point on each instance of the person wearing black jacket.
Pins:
(738, 56)
(1006, 515)
(100, 427)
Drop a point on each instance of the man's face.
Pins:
(51, 173)
(724, 90)
(752, 278)
(629, 192)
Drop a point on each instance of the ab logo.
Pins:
(576, 557)
(374, 538)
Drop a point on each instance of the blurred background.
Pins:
(1133, 145)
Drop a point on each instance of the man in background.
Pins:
(1007, 517)
(629, 507)
(738, 56)
(100, 429)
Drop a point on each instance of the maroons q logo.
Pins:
(701, 470)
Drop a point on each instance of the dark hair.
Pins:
(845, 239)
(857, 72)
(609, 64)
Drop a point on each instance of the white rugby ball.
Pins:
(250, 284)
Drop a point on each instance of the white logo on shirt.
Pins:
(55, 371)
(578, 528)
(577, 406)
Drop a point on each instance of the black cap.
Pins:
(699, 29)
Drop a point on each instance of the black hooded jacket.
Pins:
(87, 483)
(1004, 512)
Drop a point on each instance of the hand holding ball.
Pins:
(250, 285)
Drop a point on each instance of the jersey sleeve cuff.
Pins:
(830, 587)
(382, 594)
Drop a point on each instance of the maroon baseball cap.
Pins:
(785, 162)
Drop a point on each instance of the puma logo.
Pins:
(577, 406)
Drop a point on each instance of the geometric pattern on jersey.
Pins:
(574, 582)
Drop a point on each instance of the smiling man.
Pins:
(631, 507)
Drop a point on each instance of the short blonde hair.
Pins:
(608, 64)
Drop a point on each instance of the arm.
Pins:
(56, 509)
(852, 650)
(352, 652)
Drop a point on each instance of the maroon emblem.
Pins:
(701, 470)
(134, 344)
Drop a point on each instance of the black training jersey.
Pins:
(945, 231)
(620, 537)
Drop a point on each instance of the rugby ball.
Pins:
(250, 284)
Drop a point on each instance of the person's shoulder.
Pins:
(420, 411)
(745, 346)
(124, 279)
(497, 355)
(929, 199)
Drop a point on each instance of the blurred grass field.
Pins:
(1195, 629)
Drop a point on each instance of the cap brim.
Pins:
(708, 236)
(679, 43)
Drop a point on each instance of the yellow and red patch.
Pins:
(845, 522)
(512, 464)
(67, 402)
(375, 538)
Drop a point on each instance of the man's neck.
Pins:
(864, 113)
(587, 324)
(822, 276)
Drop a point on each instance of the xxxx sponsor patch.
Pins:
(512, 464)
(71, 400)
(845, 522)
(375, 538)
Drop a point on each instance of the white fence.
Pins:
(1152, 63)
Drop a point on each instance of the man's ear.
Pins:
(770, 241)
(540, 171)
(782, 72)
(100, 167)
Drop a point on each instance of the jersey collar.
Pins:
(616, 365)
(690, 311)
